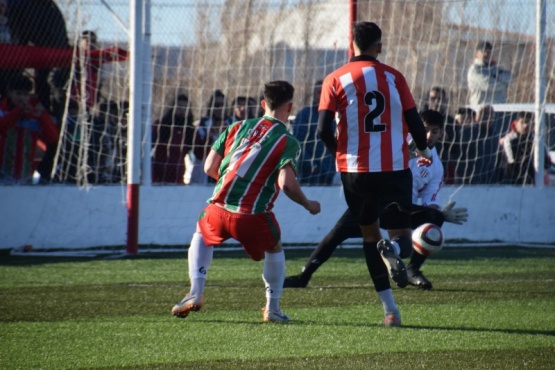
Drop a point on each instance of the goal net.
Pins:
(210, 59)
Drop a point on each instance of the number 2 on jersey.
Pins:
(374, 98)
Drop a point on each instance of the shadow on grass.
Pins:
(370, 325)
(33, 258)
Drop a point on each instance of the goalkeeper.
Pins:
(426, 183)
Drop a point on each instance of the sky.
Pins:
(172, 21)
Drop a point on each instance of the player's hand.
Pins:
(424, 162)
(426, 157)
(454, 215)
(313, 207)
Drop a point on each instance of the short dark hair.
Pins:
(277, 93)
(240, 101)
(433, 118)
(439, 90)
(181, 97)
(366, 34)
(466, 111)
(90, 35)
(526, 116)
(19, 82)
(107, 107)
(484, 45)
(215, 95)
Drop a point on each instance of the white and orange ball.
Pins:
(427, 239)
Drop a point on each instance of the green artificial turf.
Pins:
(491, 308)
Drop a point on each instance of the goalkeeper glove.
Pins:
(454, 215)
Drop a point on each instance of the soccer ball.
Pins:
(427, 239)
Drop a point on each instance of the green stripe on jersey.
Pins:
(246, 182)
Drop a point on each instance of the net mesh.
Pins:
(210, 59)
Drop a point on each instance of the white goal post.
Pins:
(119, 134)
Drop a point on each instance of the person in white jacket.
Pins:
(487, 82)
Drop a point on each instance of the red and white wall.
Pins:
(67, 217)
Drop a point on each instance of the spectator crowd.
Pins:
(56, 125)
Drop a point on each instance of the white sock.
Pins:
(273, 275)
(199, 258)
(388, 302)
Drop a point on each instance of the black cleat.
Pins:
(418, 279)
(395, 265)
(295, 281)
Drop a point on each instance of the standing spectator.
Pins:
(86, 83)
(377, 111)
(243, 108)
(452, 142)
(438, 100)
(464, 116)
(316, 166)
(68, 166)
(518, 152)
(24, 126)
(251, 161)
(207, 130)
(102, 138)
(487, 83)
(478, 162)
(172, 138)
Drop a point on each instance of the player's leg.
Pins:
(210, 231)
(273, 274)
(199, 257)
(265, 244)
(345, 228)
(395, 205)
(361, 193)
(379, 273)
(419, 216)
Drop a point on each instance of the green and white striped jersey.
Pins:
(253, 151)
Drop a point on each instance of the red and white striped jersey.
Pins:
(370, 98)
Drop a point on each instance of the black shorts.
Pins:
(369, 194)
(348, 226)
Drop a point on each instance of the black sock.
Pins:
(376, 266)
(416, 261)
(405, 245)
(327, 246)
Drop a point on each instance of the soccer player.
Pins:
(251, 161)
(426, 183)
(376, 112)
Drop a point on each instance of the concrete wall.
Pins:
(48, 217)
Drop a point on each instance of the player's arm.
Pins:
(212, 164)
(287, 181)
(326, 131)
(418, 133)
(430, 193)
